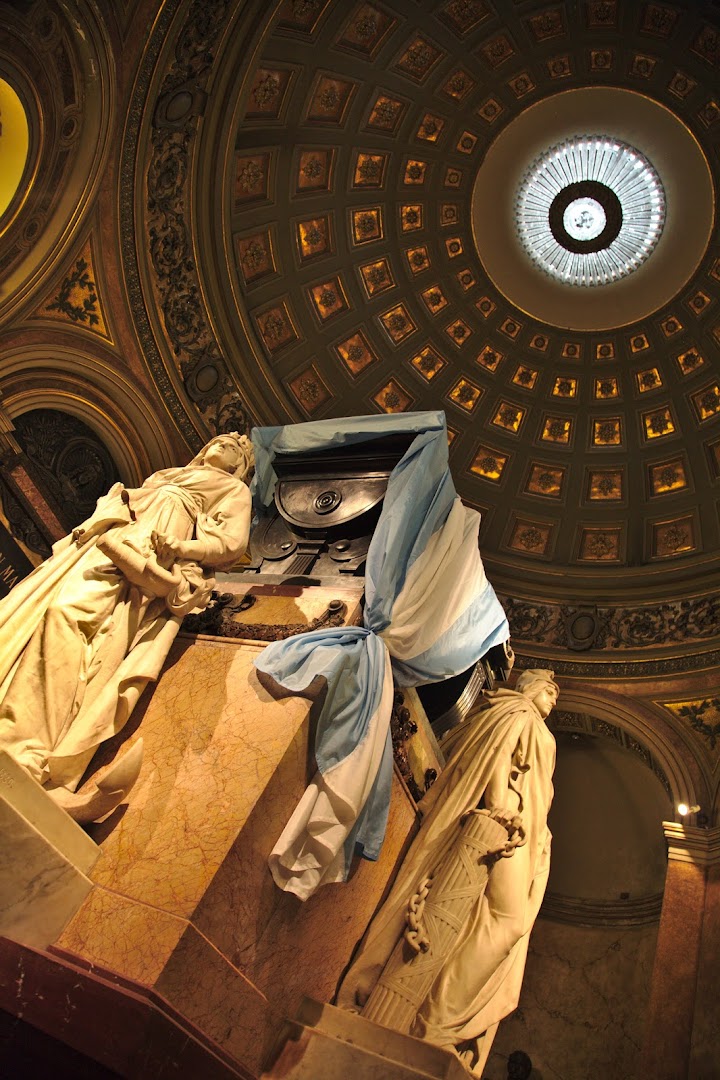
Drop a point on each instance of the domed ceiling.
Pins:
(311, 243)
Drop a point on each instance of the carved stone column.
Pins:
(683, 1011)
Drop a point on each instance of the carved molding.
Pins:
(641, 630)
(584, 724)
(179, 295)
(220, 618)
(643, 911)
(403, 728)
(590, 628)
(128, 231)
(690, 843)
(176, 284)
(618, 669)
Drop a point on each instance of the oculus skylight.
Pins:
(590, 210)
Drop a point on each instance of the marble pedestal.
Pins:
(45, 860)
(183, 901)
(332, 1044)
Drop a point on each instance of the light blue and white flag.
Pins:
(430, 613)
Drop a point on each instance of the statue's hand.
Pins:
(512, 821)
(79, 537)
(167, 548)
(505, 817)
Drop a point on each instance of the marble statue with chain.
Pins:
(444, 957)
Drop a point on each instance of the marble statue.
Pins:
(84, 633)
(444, 957)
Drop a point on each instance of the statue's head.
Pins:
(231, 452)
(538, 684)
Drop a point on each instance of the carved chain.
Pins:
(415, 934)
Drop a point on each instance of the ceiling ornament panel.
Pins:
(340, 274)
(702, 717)
(76, 300)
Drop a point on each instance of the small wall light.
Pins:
(683, 809)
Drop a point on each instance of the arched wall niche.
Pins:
(70, 462)
(683, 772)
(96, 393)
(104, 426)
(608, 845)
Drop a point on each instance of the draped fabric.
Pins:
(430, 613)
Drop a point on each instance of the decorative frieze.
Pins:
(582, 628)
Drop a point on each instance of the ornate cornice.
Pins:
(641, 627)
(619, 669)
(635, 632)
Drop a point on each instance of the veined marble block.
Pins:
(45, 859)
(183, 899)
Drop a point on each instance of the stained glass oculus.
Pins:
(590, 210)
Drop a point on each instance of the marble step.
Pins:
(45, 860)
(326, 1043)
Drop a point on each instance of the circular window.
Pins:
(15, 142)
(590, 210)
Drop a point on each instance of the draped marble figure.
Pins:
(85, 632)
(501, 759)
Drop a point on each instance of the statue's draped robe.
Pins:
(481, 978)
(79, 642)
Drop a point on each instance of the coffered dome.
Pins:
(360, 200)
